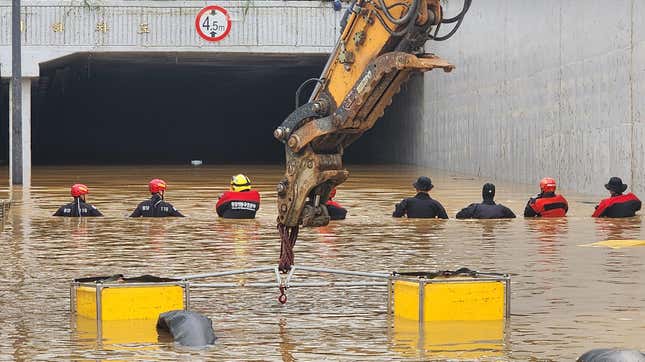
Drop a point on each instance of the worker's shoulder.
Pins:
(166, 204)
(86, 204)
(143, 203)
(437, 202)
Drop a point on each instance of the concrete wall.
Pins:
(541, 88)
(56, 28)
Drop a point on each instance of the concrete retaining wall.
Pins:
(541, 88)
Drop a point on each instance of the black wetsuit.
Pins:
(336, 212)
(155, 207)
(420, 206)
(72, 209)
(488, 209)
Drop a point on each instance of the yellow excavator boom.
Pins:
(381, 45)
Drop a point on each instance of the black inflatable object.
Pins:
(187, 328)
(612, 355)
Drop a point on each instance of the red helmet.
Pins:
(547, 184)
(332, 194)
(156, 185)
(79, 189)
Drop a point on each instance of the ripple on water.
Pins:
(566, 299)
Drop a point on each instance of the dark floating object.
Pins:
(612, 355)
(187, 328)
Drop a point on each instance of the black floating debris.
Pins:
(187, 328)
(612, 355)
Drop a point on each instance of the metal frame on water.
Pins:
(284, 282)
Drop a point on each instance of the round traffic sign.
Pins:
(213, 23)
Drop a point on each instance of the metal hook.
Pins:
(283, 296)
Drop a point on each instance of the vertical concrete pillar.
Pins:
(20, 137)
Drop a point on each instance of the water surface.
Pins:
(566, 299)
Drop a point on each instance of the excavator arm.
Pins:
(380, 47)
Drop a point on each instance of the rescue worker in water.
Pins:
(488, 209)
(546, 203)
(240, 202)
(156, 206)
(78, 207)
(421, 205)
(617, 205)
(336, 212)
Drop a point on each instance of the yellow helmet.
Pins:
(240, 183)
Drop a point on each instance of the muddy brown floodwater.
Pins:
(565, 298)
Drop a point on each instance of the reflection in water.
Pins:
(471, 340)
(564, 298)
(547, 230)
(286, 344)
(618, 229)
(548, 234)
(116, 335)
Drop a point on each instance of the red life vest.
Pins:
(618, 206)
(333, 203)
(555, 206)
(228, 196)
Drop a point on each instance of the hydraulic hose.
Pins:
(302, 86)
(461, 14)
(459, 19)
(388, 29)
(412, 13)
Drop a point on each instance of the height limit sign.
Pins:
(213, 23)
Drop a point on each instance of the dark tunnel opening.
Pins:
(129, 109)
(169, 109)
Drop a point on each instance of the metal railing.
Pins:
(283, 282)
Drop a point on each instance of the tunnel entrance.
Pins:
(165, 109)
(172, 108)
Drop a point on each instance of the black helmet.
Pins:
(423, 184)
(616, 185)
(488, 191)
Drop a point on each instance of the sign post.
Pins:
(213, 23)
(16, 156)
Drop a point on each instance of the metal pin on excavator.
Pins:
(380, 47)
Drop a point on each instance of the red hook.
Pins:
(283, 296)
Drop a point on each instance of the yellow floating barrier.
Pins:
(463, 295)
(110, 299)
(616, 244)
